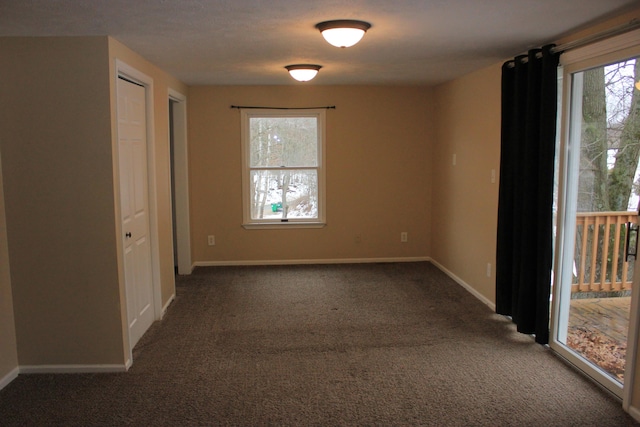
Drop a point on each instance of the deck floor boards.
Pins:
(598, 331)
(608, 316)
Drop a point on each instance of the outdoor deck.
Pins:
(598, 329)
(609, 316)
(598, 326)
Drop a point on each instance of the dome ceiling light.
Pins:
(343, 32)
(303, 72)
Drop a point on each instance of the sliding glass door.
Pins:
(598, 217)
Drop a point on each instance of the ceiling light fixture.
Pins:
(343, 32)
(303, 72)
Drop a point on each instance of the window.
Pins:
(283, 168)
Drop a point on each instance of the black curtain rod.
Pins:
(329, 107)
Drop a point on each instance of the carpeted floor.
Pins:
(322, 345)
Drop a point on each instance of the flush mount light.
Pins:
(343, 32)
(303, 72)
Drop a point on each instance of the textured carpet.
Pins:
(323, 345)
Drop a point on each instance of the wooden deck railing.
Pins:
(600, 264)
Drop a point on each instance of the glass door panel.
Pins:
(601, 212)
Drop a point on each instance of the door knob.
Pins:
(127, 234)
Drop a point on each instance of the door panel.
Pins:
(132, 146)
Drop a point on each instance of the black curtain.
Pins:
(525, 221)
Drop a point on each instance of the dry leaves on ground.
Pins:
(601, 350)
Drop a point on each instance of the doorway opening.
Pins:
(179, 182)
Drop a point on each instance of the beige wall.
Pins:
(58, 134)
(58, 182)
(8, 346)
(465, 208)
(378, 154)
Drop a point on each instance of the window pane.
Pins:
(283, 141)
(299, 186)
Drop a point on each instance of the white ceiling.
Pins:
(248, 42)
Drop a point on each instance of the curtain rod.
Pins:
(329, 107)
(612, 32)
(615, 31)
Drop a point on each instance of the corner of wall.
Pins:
(8, 349)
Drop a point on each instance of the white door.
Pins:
(132, 148)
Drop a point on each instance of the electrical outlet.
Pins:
(404, 237)
(211, 240)
(488, 269)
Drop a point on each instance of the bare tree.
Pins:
(593, 196)
(610, 128)
(621, 177)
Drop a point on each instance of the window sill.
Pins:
(282, 225)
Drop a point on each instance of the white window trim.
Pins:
(290, 223)
(601, 53)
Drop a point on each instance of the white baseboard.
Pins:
(4, 381)
(71, 369)
(635, 413)
(185, 271)
(465, 285)
(307, 261)
(166, 306)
